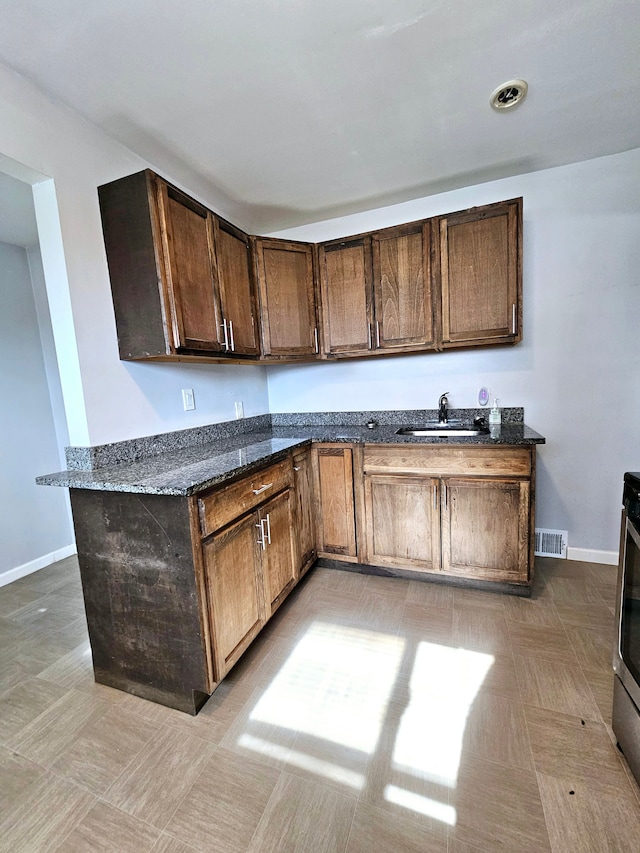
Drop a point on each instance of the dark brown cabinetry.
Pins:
(181, 278)
(284, 271)
(461, 512)
(334, 488)
(184, 282)
(480, 254)
(376, 292)
(305, 518)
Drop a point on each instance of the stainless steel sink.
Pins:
(439, 431)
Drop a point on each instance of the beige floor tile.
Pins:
(583, 819)
(23, 703)
(481, 628)
(167, 844)
(49, 735)
(567, 590)
(49, 809)
(428, 622)
(531, 611)
(14, 596)
(41, 649)
(541, 641)
(71, 670)
(303, 818)
(103, 749)
(555, 686)
(379, 612)
(51, 612)
(17, 774)
(155, 782)
(496, 728)
(106, 829)
(574, 749)
(597, 616)
(477, 598)
(222, 809)
(593, 647)
(376, 830)
(390, 588)
(601, 684)
(501, 677)
(430, 594)
(498, 808)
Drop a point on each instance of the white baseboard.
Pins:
(33, 566)
(588, 555)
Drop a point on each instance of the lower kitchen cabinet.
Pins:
(402, 522)
(334, 488)
(234, 591)
(278, 549)
(485, 528)
(451, 511)
(305, 514)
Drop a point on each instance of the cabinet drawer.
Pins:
(448, 461)
(221, 507)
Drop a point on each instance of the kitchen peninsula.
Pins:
(189, 542)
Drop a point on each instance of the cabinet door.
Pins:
(481, 274)
(402, 287)
(287, 300)
(234, 585)
(190, 271)
(345, 282)
(485, 528)
(236, 288)
(305, 525)
(279, 550)
(336, 527)
(402, 521)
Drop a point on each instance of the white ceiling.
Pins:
(17, 214)
(289, 111)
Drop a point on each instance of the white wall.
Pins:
(577, 370)
(105, 399)
(35, 524)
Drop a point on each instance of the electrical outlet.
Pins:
(188, 400)
(239, 410)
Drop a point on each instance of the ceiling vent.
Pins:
(508, 95)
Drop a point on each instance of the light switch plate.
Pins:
(239, 410)
(188, 400)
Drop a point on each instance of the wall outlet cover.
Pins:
(188, 399)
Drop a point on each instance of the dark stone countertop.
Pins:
(188, 470)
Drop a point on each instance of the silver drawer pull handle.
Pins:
(262, 489)
(261, 541)
(226, 335)
(268, 520)
(233, 343)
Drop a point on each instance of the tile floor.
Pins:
(372, 716)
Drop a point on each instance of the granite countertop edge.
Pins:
(195, 469)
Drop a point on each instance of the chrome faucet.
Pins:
(443, 417)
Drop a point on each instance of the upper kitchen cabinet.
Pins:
(376, 292)
(403, 303)
(285, 276)
(345, 296)
(237, 294)
(180, 278)
(480, 259)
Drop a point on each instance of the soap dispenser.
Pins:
(495, 418)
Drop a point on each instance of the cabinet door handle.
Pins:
(226, 335)
(435, 496)
(444, 493)
(296, 467)
(315, 339)
(369, 335)
(378, 333)
(513, 318)
(268, 520)
(262, 489)
(261, 541)
(233, 343)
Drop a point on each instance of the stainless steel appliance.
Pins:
(626, 655)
